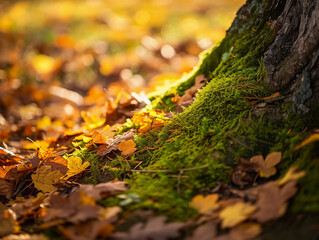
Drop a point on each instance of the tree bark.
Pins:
(292, 59)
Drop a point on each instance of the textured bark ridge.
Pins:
(292, 59)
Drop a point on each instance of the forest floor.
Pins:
(98, 140)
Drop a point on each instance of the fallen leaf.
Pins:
(127, 147)
(272, 200)
(8, 223)
(44, 179)
(312, 138)
(291, 175)
(90, 230)
(8, 158)
(235, 214)
(245, 231)
(266, 168)
(75, 166)
(205, 204)
(26, 237)
(6, 188)
(207, 231)
(75, 208)
(102, 189)
(153, 229)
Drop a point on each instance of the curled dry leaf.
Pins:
(44, 179)
(205, 204)
(235, 214)
(127, 147)
(154, 229)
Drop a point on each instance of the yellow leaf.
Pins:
(312, 138)
(127, 147)
(44, 64)
(266, 168)
(44, 123)
(235, 214)
(205, 204)
(44, 178)
(245, 231)
(291, 175)
(75, 166)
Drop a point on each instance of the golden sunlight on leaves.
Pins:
(291, 174)
(127, 147)
(75, 166)
(205, 204)
(44, 179)
(312, 138)
(235, 214)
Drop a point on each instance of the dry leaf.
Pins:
(205, 205)
(272, 201)
(291, 175)
(6, 188)
(235, 214)
(153, 229)
(90, 230)
(75, 166)
(75, 209)
(245, 231)
(101, 189)
(205, 232)
(8, 224)
(8, 158)
(26, 237)
(312, 138)
(44, 179)
(266, 168)
(127, 147)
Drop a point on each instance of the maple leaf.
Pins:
(127, 147)
(75, 166)
(266, 168)
(154, 229)
(44, 178)
(291, 175)
(205, 204)
(272, 200)
(235, 214)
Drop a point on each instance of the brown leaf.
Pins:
(8, 158)
(272, 200)
(6, 188)
(8, 224)
(100, 190)
(266, 168)
(87, 231)
(245, 231)
(75, 209)
(153, 229)
(207, 231)
(26, 237)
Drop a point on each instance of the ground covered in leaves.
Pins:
(107, 130)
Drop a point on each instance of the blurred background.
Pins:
(57, 56)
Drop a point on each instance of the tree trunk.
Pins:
(292, 59)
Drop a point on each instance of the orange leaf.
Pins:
(127, 147)
(205, 204)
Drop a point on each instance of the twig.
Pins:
(167, 170)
